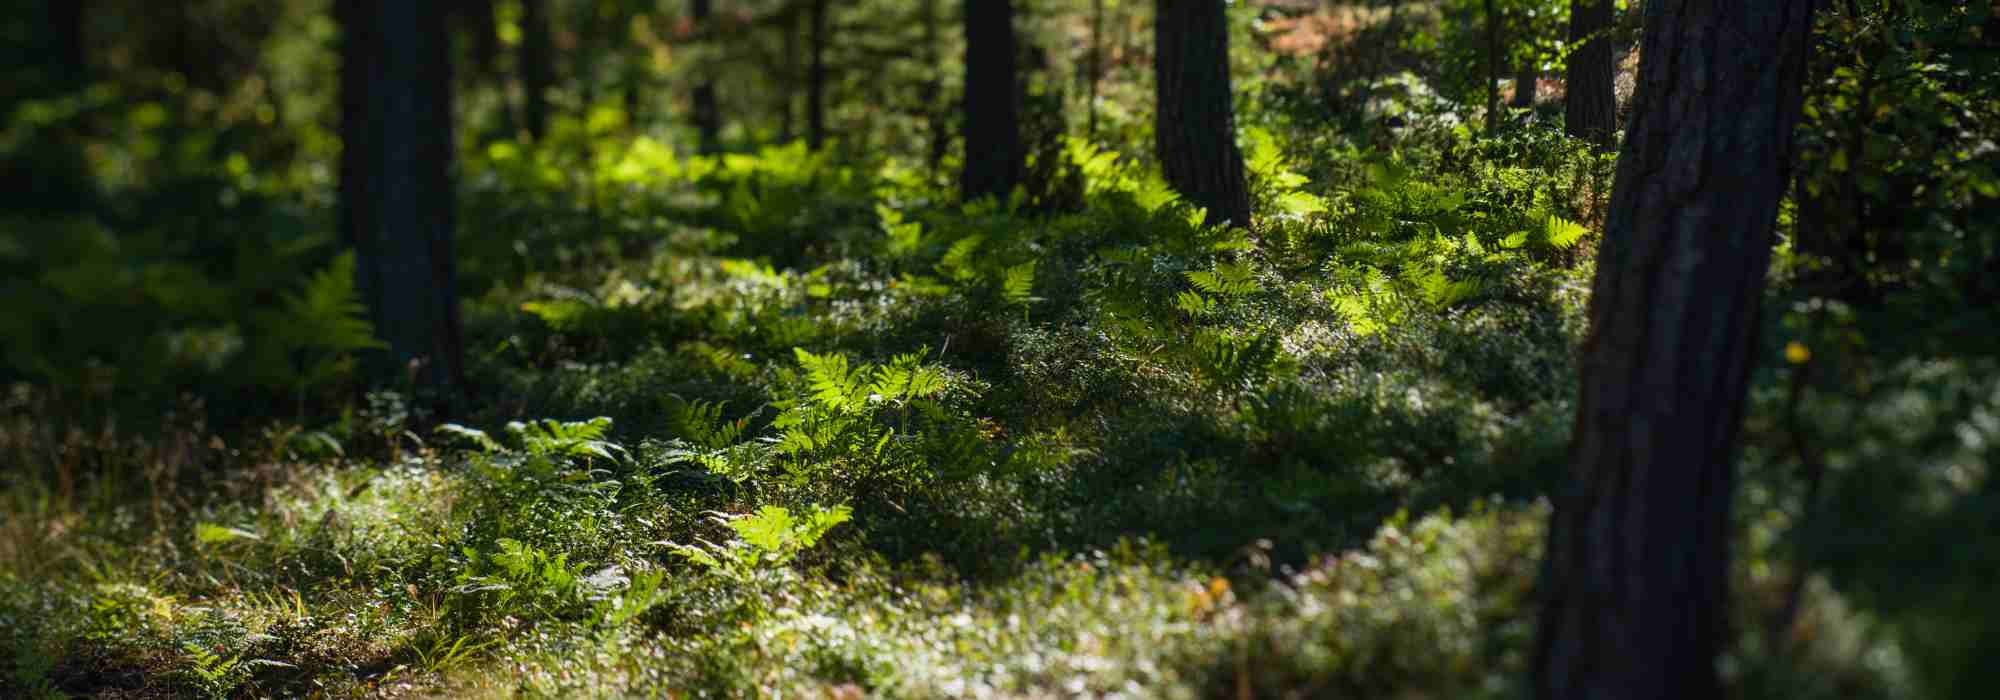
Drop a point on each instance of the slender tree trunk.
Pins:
(1095, 66)
(396, 187)
(1637, 578)
(537, 66)
(65, 24)
(707, 120)
(480, 21)
(937, 110)
(816, 76)
(1590, 107)
(1492, 68)
(1195, 129)
(1524, 84)
(994, 157)
(788, 96)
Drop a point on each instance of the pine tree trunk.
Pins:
(1637, 578)
(396, 189)
(937, 111)
(1492, 68)
(994, 159)
(1525, 76)
(537, 66)
(65, 24)
(707, 121)
(816, 76)
(1590, 107)
(1195, 131)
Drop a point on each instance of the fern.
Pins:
(1194, 304)
(328, 313)
(1017, 283)
(1226, 280)
(1564, 234)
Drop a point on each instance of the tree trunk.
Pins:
(65, 18)
(1590, 108)
(1095, 68)
(481, 22)
(994, 158)
(1637, 578)
(396, 197)
(707, 121)
(537, 66)
(1194, 130)
(1525, 76)
(1492, 68)
(937, 111)
(816, 76)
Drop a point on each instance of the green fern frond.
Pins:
(1018, 282)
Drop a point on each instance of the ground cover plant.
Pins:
(755, 401)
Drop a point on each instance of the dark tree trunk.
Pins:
(937, 110)
(1590, 108)
(1492, 68)
(1637, 578)
(480, 21)
(1094, 68)
(65, 18)
(707, 121)
(816, 76)
(1195, 129)
(396, 197)
(787, 95)
(994, 158)
(537, 66)
(1524, 84)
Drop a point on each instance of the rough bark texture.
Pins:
(1195, 131)
(1590, 107)
(994, 158)
(538, 73)
(707, 121)
(1636, 582)
(396, 196)
(816, 76)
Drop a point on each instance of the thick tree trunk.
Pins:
(816, 76)
(396, 191)
(537, 66)
(1637, 579)
(1195, 130)
(1590, 107)
(707, 121)
(994, 158)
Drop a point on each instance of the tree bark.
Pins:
(1590, 107)
(1525, 76)
(816, 76)
(1194, 130)
(396, 196)
(937, 110)
(1637, 578)
(707, 121)
(994, 157)
(65, 24)
(537, 66)
(1492, 68)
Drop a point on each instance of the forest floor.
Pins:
(770, 425)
